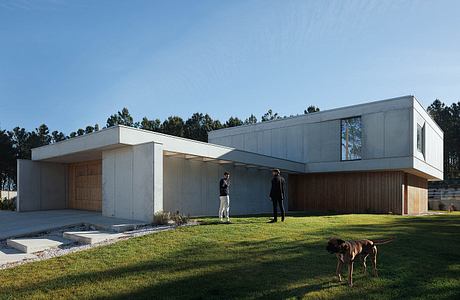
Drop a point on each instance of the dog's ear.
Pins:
(340, 242)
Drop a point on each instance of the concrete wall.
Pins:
(432, 161)
(132, 181)
(192, 187)
(41, 186)
(316, 139)
(388, 127)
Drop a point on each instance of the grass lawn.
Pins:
(251, 259)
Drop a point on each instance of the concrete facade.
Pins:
(191, 186)
(41, 186)
(388, 137)
(144, 172)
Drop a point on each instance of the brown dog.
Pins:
(348, 251)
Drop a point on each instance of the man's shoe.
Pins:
(272, 221)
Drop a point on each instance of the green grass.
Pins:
(251, 259)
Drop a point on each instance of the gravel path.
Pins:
(76, 247)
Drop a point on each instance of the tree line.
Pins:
(18, 142)
(448, 118)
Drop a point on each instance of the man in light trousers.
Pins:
(224, 188)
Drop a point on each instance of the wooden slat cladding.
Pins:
(359, 192)
(417, 194)
(85, 185)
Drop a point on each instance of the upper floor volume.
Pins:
(391, 134)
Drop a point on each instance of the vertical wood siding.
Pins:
(85, 185)
(359, 192)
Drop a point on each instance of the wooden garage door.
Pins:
(85, 185)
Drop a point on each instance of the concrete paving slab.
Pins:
(37, 244)
(92, 237)
(9, 255)
(17, 224)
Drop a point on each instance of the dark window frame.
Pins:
(361, 139)
(422, 139)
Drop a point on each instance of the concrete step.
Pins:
(10, 255)
(92, 237)
(37, 244)
(117, 227)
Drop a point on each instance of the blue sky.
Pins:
(73, 63)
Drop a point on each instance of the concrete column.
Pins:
(133, 182)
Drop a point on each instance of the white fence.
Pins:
(8, 194)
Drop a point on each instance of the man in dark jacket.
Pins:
(277, 194)
(224, 187)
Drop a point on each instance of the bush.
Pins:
(162, 218)
(441, 206)
(179, 219)
(168, 218)
(8, 204)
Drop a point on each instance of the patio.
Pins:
(15, 224)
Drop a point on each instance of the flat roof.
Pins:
(90, 147)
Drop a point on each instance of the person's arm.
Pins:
(283, 188)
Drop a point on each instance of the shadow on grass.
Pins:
(422, 263)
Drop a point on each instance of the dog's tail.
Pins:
(383, 241)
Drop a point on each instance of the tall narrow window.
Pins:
(421, 138)
(351, 138)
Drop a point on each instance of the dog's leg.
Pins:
(338, 271)
(350, 274)
(374, 261)
(364, 264)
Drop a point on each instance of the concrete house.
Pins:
(374, 157)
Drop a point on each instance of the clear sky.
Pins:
(73, 63)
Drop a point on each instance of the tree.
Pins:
(19, 138)
(152, 125)
(250, 120)
(448, 118)
(233, 122)
(269, 116)
(121, 118)
(89, 129)
(311, 109)
(72, 134)
(7, 162)
(80, 132)
(57, 136)
(174, 125)
(198, 126)
(43, 134)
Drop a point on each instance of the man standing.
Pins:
(224, 186)
(277, 194)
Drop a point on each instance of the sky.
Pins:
(70, 64)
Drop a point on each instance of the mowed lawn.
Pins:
(251, 259)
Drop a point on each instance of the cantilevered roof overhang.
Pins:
(90, 147)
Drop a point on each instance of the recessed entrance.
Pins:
(85, 185)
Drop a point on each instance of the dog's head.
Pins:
(335, 245)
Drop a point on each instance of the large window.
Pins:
(351, 138)
(421, 138)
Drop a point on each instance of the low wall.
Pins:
(41, 186)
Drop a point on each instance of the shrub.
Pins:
(162, 218)
(179, 219)
(8, 204)
(441, 206)
(168, 218)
